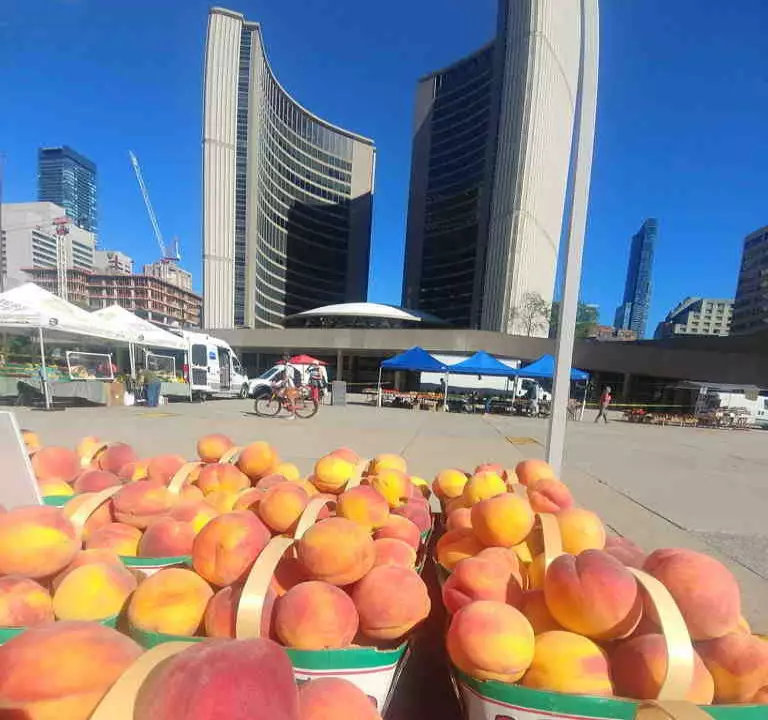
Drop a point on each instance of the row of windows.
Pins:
(299, 222)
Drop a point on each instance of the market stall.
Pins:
(415, 359)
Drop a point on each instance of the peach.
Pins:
(625, 551)
(95, 481)
(739, 667)
(167, 537)
(316, 616)
(390, 551)
(226, 548)
(88, 446)
(220, 618)
(31, 440)
(478, 578)
(197, 513)
(114, 458)
(23, 603)
(223, 501)
(134, 471)
(549, 495)
(332, 473)
(497, 468)
(288, 470)
(419, 487)
(580, 529)
(55, 488)
(55, 463)
(233, 679)
(99, 518)
(455, 504)
(36, 542)
(119, 538)
(388, 461)
(86, 557)
(282, 506)
(332, 697)
(568, 663)
(456, 545)
(139, 504)
(459, 518)
(703, 588)
(449, 484)
(365, 506)
(210, 448)
(639, 666)
(337, 551)
(534, 607)
(593, 594)
(417, 510)
(530, 471)
(94, 591)
(269, 481)
(309, 488)
(288, 573)
(491, 641)
(482, 486)
(506, 556)
(162, 468)
(502, 521)
(62, 670)
(400, 528)
(249, 499)
(393, 485)
(222, 476)
(172, 601)
(346, 454)
(257, 460)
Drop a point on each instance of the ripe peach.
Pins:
(580, 529)
(456, 545)
(288, 573)
(99, 518)
(478, 578)
(739, 666)
(220, 619)
(94, 591)
(393, 485)
(549, 495)
(337, 551)
(269, 481)
(197, 513)
(31, 440)
(639, 666)
(55, 463)
(491, 641)
(172, 601)
(534, 607)
(625, 551)
(36, 542)
(138, 504)
(282, 506)
(482, 486)
(703, 588)
(455, 504)
(119, 538)
(289, 471)
(505, 556)
(530, 471)
(62, 670)
(257, 460)
(95, 481)
(115, 457)
(162, 468)
(23, 603)
(55, 488)
(568, 663)
(502, 521)
(400, 528)
(593, 594)
(332, 697)
(365, 506)
(459, 518)
(417, 510)
(346, 454)
(133, 471)
(316, 616)
(222, 476)
(419, 487)
(210, 448)
(223, 501)
(226, 548)
(332, 473)
(388, 461)
(449, 484)
(390, 551)
(497, 468)
(86, 557)
(167, 537)
(249, 499)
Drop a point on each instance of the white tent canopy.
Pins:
(138, 330)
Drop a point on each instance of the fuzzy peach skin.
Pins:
(594, 595)
(388, 461)
(119, 538)
(257, 460)
(569, 663)
(316, 616)
(639, 665)
(390, 551)
(24, 603)
(94, 591)
(55, 488)
(86, 557)
(95, 481)
(115, 457)
(222, 476)
(390, 601)
(55, 463)
(232, 679)
(455, 504)
(456, 545)
(197, 513)
(347, 454)
(530, 471)
(393, 484)
(491, 641)
(62, 670)
(220, 620)
(478, 578)
(288, 574)
(449, 484)
(167, 537)
(549, 495)
(459, 519)
(140, 503)
(171, 601)
(210, 448)
(738, 664)
(331, 474)
(249, 500)
(625, 551)
(703, 588)
(288, 470)
(534, 607)
(482, 486)
(400, 528)
(337, 551)
(269, 481)
(497, 468)
(580, 530)
(502, 521)
(36, 542)
(506, 556)
(223, 501)
(162, 468)
(134, 471)
(417, 510)
(332, 698)
(226, 548)
(365, 506)
(282, 506)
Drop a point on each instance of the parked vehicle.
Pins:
(214, 369)
(262, 385)
(727, 406)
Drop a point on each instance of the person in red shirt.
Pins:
(605, 401)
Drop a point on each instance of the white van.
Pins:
(214, 369)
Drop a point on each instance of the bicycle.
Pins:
(302, 404)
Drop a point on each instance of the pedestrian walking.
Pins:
(605, 401)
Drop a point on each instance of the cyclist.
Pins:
(287, 384)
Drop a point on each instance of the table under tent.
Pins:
(544, 368)
(415, 359)
(480, 364)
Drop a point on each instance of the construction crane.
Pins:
(167, 254)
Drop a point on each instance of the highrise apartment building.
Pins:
(750, 308)
(632, 314)
(68, 179)
(286, 195)
(490, 160)
(171, 273)
(697, 316)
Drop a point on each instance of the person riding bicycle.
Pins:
(288, 382)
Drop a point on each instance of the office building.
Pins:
(632, 314)
(697, 316)
(750, 308)
(608, 333)
(286, 195)
(171, 273)
(489, 169)
(113, 262)
(68, 179)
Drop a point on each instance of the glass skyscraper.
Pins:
(632, 314)
(68, 179)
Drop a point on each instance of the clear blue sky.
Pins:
(683, 112)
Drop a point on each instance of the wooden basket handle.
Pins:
(90, 506)
(309, 516)
(231, 456)
(90, 456)
(357, 476)
(670, 710)
(550, 534)
(178, 481)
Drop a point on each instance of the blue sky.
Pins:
(681, 127)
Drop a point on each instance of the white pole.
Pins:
(584, 401)
(586, 109)
(378, 394)
(445, 392)
(44, 369)
(132, 359)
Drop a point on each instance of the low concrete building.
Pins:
(171, 273)
(113, 262)
(697, 316)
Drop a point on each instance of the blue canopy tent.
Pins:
(544, 367)
(415, 359)
(482, 363)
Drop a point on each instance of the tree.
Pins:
(531, 315)
(587, 318)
